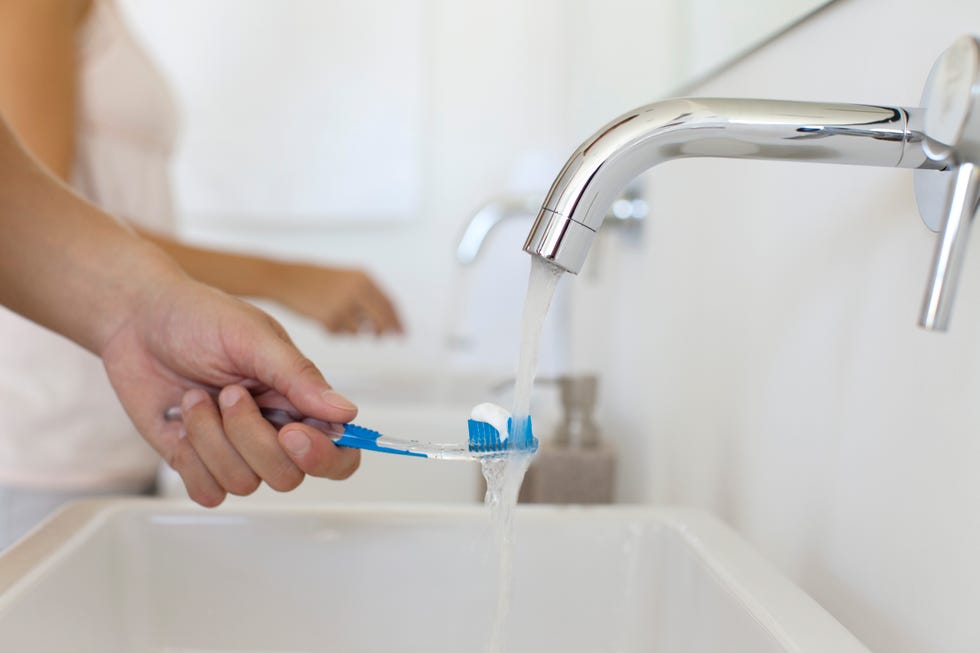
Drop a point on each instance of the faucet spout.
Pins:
(711, 127)
(941, 141)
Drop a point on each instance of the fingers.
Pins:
(236, 447)
(380, 310)
(349, 322)
(283, 368)
(360, 305)
(255, 439)
(316, 454)
(365, 313)
(230, 448)
(206, 434)
(201, 486)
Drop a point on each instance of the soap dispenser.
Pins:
(575, 465)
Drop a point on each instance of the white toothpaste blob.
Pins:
(494, 415)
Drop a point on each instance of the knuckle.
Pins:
(178, 457)
(196, 402)
(277, 328)
(305, 366)
(286, 478)
(207, 497)
(243, 484)
(342, 466)
(352, 466)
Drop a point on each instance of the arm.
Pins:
(344, 300)
(38, 42)
(164, 339)
(60, 261)
(38, 77)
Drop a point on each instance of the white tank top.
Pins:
(61, 425)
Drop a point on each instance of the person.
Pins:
(165, 339)
(87, 102)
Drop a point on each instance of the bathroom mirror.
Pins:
(314, 111)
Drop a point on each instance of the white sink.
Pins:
(139, 576)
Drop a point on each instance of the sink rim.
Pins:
(789, 615)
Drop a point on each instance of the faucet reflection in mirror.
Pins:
(940, 140)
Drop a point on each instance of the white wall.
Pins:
(510, 88)
(761, 351)
(298, 115)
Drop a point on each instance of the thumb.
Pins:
(282, 367)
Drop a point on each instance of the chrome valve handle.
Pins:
(948, 199)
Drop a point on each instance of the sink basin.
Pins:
(148, 575)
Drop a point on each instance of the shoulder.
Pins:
(52, 11)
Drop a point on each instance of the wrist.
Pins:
(133, 283)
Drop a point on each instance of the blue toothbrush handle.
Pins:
(357, 437)
(365, 438)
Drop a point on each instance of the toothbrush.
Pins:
(489, 435)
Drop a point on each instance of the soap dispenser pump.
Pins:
(575, 465)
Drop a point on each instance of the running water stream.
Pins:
(504, 474)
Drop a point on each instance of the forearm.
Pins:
(344, 300)
(63, 263)
(236, 274)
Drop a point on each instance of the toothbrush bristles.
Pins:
(485, 438)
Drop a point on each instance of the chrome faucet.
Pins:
(628, 209)
(940, 140)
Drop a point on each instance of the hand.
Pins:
(344, 300)
(188, 338)
(164, 339)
